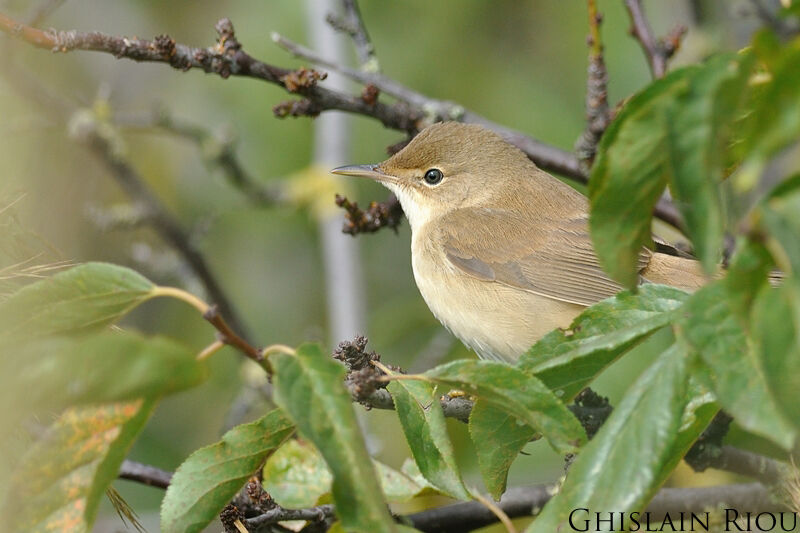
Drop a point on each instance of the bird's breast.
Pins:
(497, 321)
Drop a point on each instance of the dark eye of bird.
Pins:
(433, 176)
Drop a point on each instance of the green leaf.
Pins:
(296, 475)
(86, 297)
(776, 334)
(568, 361)
(779, 213)
(775, 120)
(629, 175)
(623, 465)
(710, 326)
(518, 394)
(58, 484)
(107, 367)
(421, 416)
(695, 121)
(498, 438)
(207, 480)
(309, 387)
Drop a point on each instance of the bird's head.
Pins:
(448, 166)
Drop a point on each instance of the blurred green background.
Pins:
(520, 63)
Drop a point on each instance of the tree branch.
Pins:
(217, 149)
(527, 501)
(352, 23)
(657, 52)
(597, 113)
(144, 474)
(226, 58)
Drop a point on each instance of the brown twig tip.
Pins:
(354, 355)
(370, 94)
(302, 79)
(227, 336)
(363, 378)
(672, 42)
(296, 108)
(229, 515)
(656, 51)
(378, 215)
(598, 116)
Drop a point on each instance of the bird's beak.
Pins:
(364, 171)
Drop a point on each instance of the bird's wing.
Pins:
(558, 263)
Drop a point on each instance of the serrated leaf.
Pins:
(710, 326)
(207, 480)
(776, 335)
(296, 475)
(568, 361)
(107, 367)
(628, 177)
(86, 297)
(421, 417)
(309, 387)
(517, 394)
(498, 438)
(58, 484)
(623, 465)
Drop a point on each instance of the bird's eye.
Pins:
(433, 176)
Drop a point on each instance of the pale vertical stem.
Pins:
(343, 272)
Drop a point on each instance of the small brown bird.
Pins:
(500, 249)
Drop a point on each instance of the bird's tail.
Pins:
(687, 274)
(680, 272)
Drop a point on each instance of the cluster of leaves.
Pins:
(701, 130)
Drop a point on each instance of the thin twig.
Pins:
(527, 501)
(229, 336)
(144, 474)
(227, 58)
(547, 157)
(279, 514)
(640, 29)
(165, 224)
(352, 23)
(216, 149)
(100, 142)
(656, 51)
(597, 114)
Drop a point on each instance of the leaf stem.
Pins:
(180, 294)
(210, 350)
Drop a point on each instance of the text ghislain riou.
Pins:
(582, 519)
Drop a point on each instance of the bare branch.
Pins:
(227, 58)
(100, 141)
(218, 150)
(145, 474)
(229, 336)
(352, 23)
(262, 522)
(657, 52)
(378, 215)
(527, 501)
(597, 113)
(165, 224)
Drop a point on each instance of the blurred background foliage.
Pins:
(519, 63)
